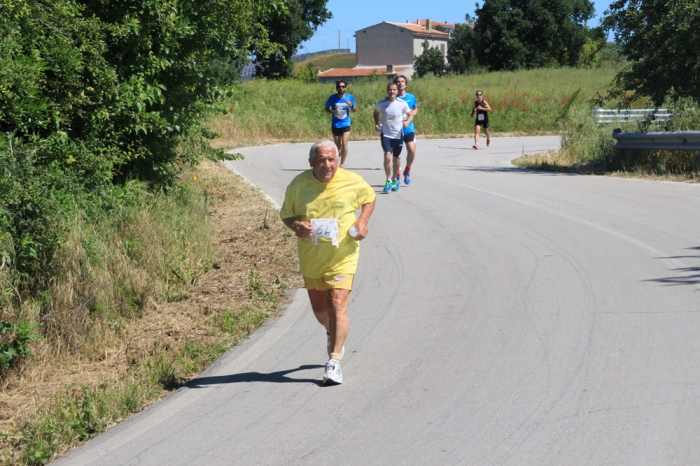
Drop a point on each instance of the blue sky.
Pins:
(351, 15)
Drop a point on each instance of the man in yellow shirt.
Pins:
(319, 207)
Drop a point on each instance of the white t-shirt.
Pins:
(393, 117)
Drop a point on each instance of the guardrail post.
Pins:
(696, 161)
(631, 159)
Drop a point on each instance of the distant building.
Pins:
(397, 43)
(445, 27)
(388, 49)
(354, 74)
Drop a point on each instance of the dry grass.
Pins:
(242, 242)
(554, 161)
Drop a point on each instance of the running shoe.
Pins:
(387, 186)
(475, 146)
(333, 374)
(328, 347)
(488, 143)
(407, 178)
(395, 185)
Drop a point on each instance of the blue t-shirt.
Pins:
(410, 99)
(335, 102)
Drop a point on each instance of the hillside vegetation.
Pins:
(524, 102)
(326, 62)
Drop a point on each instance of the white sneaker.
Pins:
(328, 347)
(333, 374)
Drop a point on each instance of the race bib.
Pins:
(391, 119)
(343, 111)
(324, 228)
(480, 117)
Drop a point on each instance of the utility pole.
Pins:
(338, 39)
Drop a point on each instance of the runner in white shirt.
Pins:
(396, 115)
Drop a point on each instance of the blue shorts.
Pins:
(392, 145)
(409, 137)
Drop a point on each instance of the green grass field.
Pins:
(326, 62)
(523, 102)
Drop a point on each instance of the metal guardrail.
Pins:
(673, 140)
(604, 116)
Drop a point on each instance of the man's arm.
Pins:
(361, 222)
(301, 229)
(485, 106)
(409, 119)
(376, 119)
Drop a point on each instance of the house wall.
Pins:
(384, 44)
(440, 44)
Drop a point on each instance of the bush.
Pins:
(95, 93)
(14, 339)
(588, 145)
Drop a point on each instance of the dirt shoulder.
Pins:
(255, 263)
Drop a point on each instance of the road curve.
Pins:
(500, 316)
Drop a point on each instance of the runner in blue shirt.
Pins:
(339, 105)
(409, 134)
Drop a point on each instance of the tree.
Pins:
(660, 41)
(289, 29)
(513, 34)
(430, 61)
(96, 92)
(461, 48)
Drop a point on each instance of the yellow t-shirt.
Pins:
(308, 198)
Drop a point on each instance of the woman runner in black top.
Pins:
(481, 107)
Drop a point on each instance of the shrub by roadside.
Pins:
(588, 147)
(178, 307)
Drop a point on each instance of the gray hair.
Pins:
(313, 152)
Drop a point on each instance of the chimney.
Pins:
(318, 70)
(389, 69)
(429, 24)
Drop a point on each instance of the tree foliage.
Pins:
(97, 91)
(430, 61)
(659, 39)
(514, 34)
(461, 48)
(289, 28)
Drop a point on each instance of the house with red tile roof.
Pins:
(388, 49)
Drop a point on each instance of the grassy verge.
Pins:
(524, 102)
(588, 147)
(148, 297)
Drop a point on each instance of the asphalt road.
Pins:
(500, 317)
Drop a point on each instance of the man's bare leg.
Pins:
(397, 166)
(338, 140)
(387, 164)
(318, 305)
(330, 309)
(344, 151)
(410, 153)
